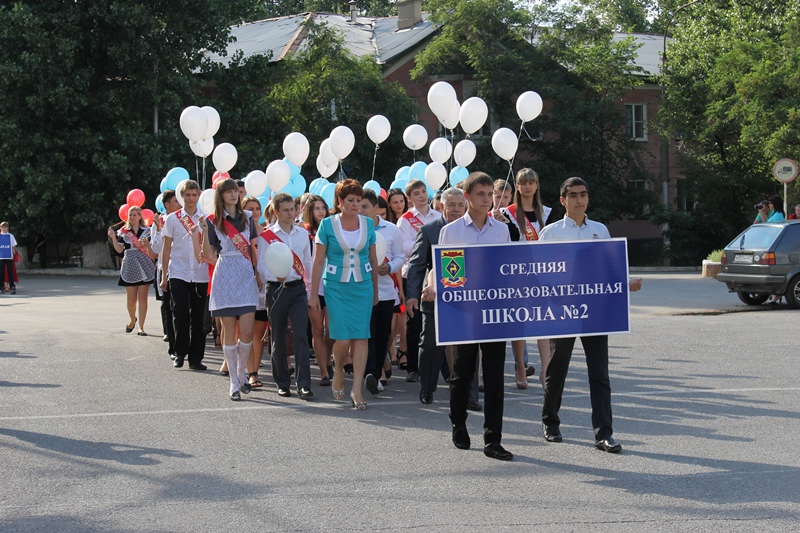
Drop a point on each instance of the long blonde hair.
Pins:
(528, 175)
(219, 206)
(131, 209)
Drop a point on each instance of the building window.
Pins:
(636, 122)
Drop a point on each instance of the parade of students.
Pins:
(138, 270)
(383, 311)
(287, 297)
(350, 276)
(476, 227)
(409, 224)
(186, 277)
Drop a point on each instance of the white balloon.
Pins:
(473, 114)
(279, 259)
(213, 121)
(178, 187)
(225, 157)
(296, 148)
(415, 137)
(206, 202)
(328, 157)
(465, 153)
(440, 150)
(255, 183)
(380, 247)
(378, 129)
(202, 148)
(278, 175)
(435, 175)
(323, 169)
(529, 106)
(504, 143)
(441, 97)
(451, 120)
(342, 141)
(194, 123)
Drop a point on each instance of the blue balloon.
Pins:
(327, 194)
(264, 201)
(317, 185)
(298, 185)
(403, 173)
(175, 176)
(457, 175)
(417, 171)
(160, 204)
(431, 192)
(163, 186)
(399, 184)
(374, 186)
(294, 168)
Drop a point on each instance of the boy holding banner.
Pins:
(8, 251)
(476, 227)
(287, 300)
(576, 226)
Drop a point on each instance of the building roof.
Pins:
(378, 38)
(648, 56)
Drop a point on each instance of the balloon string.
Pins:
(204, 173)
(521, 129)
(374, 159)
(196, 169)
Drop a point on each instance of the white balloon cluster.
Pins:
(199, 125)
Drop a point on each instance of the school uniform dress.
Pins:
(234, 290)
(137, 267)
(348, 276)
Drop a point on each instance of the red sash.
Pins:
(269, 236)
(412, 219)
(187, 222)
(135, 240)
(530, 231)
(235, 236)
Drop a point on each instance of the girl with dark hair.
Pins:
(771, 210)
(314, 212)
(398, 204)
(251, 203)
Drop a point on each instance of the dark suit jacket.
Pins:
(422, 261)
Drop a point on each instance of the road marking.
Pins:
(342, 405)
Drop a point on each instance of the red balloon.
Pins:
(383, 193)
(123, 212)
(135, 197)
(219, 176)
(147, 215)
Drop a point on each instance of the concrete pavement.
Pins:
(99, 433)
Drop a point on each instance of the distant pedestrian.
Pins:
(8, 254)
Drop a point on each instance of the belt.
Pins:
(288, 283)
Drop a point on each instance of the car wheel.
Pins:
(752, 298)
(793, 293)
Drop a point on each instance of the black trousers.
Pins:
(189, 304)
(596, 348)
(8, 269)
(289, 305)
(465, 357)
(431, 356)
(166, 320)
(380, 328)
(413, 340)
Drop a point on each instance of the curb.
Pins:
(90, 272)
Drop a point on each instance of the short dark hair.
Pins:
(414, 185)
(280, 198)
(240, 183)
(370, 196)
(168, 195)
(346, 188)
(572, 182)
(477, 178)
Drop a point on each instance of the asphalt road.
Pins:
(99, 433)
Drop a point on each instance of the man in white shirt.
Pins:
(380, 326)
(409, 224)
(287, 300)
(186, 277)
(576, 226)
(157, 244)
(475, 227)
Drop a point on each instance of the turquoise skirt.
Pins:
(349, 308)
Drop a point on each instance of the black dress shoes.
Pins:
(474, 406)
(608, 445)
(551, 433)
(305, 393)
(496, 451)
(235, 396)
(198, 366)
(284, 393)
(371, 382)
(177, 362)
(426, 397)
(461, 437)
(245, 388)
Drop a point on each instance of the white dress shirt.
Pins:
(297, 240)
(464, 231)
(182, 263)
(394, 252)
(408, 233)
(567, 230)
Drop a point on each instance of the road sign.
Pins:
(785, 170)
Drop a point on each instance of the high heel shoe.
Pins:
(358, 406)
(402, 365)
(521, 383)
(338, 395)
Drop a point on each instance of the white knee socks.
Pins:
(232, 358)
(244, 353)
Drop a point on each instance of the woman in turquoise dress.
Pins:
(346, 261)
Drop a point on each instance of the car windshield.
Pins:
(756, 238)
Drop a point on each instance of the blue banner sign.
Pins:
(522, 290)
(5, 246)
